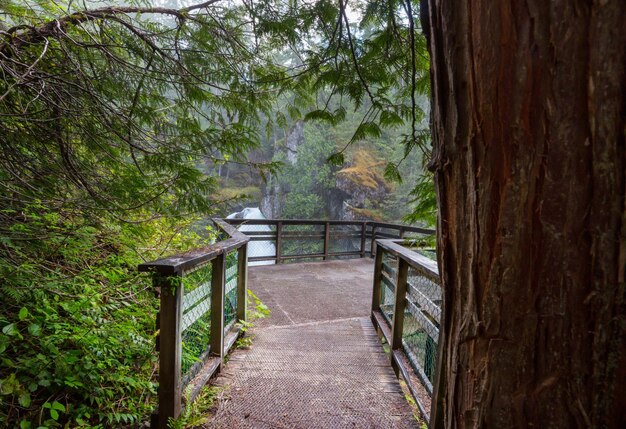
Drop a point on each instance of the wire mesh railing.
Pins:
(406, 309)
(289, 240)
(345, 239)
(195, 321)
(389, 272)
(202, 295)
(230, 292)
(301, 241)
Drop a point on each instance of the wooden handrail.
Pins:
(424, 265)
(395, 226)
(408, 299)
(292, 221)
(168, 277)
(181, 262)
(406, 228)
(366, 230)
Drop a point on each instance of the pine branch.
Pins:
(21, 35)
(409, 13)
(357, 68)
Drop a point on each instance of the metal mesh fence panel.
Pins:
(196, 320)
(389, 277)
(424, 244)
(230, 291)
(383, 232)
(421, 325)
(265, 248)
(262, 242)
(302, 240)
(368, 239)
(429, 253)
(344, 238)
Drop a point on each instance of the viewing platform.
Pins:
(343, 328)
(316, 362)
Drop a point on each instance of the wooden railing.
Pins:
(295, 239)
(202, 295)
(406, 311)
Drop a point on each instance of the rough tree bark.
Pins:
(529, 108)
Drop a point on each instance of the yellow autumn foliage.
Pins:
(365, 170)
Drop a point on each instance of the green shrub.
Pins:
(78, 321)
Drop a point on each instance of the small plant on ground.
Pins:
(256, 308)
(195, 413)
(244, 341)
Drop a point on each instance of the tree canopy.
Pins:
(109, 108)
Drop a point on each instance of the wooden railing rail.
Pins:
(297, 239)
(202, 293)
(406, 311)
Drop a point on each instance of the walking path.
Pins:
(317, 361)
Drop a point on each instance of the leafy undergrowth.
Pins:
(256, 310)
(77, 320)
(196, 414)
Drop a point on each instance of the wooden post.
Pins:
(398, 310)
(378, 274)
(218, 283)
(242, 281)
(363, 229)
(401, 234)
(326, 239)
(170, 401)
(279, 240)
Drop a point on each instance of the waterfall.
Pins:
(255, 248)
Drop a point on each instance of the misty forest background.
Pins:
(125, 126)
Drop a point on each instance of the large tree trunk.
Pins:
(529, 107)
